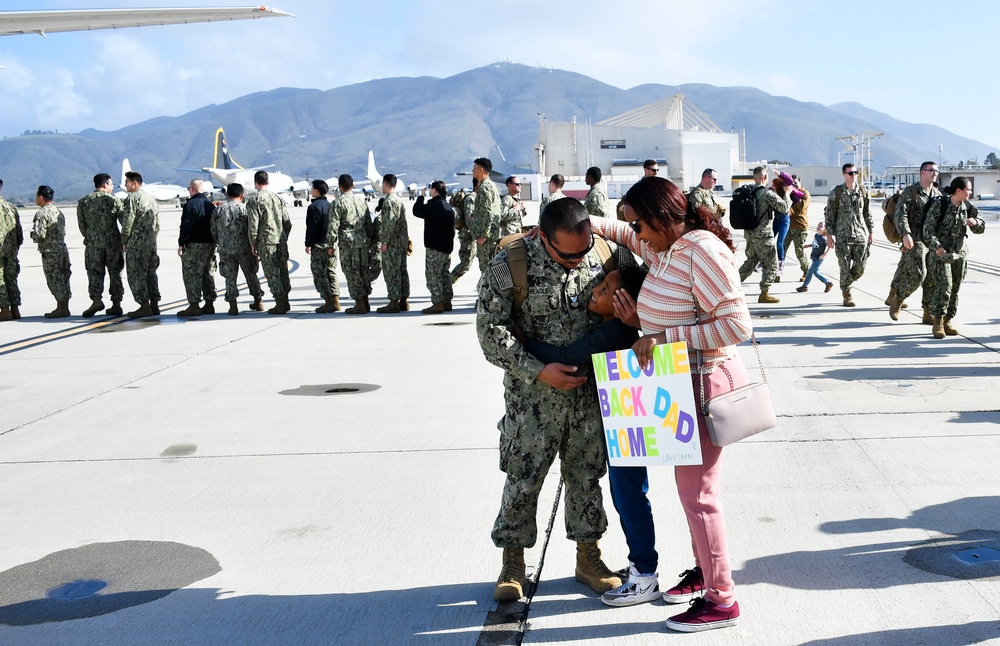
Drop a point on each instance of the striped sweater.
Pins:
(698, 268)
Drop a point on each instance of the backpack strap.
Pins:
(517, 263)
(608, 261)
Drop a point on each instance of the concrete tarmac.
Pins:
(218, 481)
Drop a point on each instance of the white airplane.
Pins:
(162, 193)
(52, 21)
(225, 171)
(374, 178)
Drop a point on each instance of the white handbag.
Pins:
(741, 412)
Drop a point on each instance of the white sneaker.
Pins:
(639, 588)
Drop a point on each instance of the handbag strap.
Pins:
(701, 375)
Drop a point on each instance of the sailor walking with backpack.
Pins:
(757, 226)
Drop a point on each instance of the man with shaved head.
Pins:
(196, 247)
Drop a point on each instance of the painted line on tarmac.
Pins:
(42, 339)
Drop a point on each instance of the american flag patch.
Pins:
(501, 274)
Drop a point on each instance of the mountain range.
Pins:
(431, 128)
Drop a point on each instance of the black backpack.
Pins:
(743, 208)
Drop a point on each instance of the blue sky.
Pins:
(916, 64)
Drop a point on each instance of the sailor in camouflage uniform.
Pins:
(549, 409)
(486, 213)
(911, 272)
(229, 230)
(556, 182)
(596, 201)
(351, 226)
(11, 238)
(760, 241)
(512, 210)
(140, 226)
(98, 215)
(268, 226)
(394, 236)
(49, 232)
(704, 193)
(849, 229)
(466, 239)
(947, 225)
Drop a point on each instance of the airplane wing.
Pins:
(46, 22)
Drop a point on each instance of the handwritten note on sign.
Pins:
(649, 415)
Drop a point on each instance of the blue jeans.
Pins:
(780, 228)
(629, 486)
(814, 271)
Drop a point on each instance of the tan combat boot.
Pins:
(143, 311)
(60, 312)
(895, 303)
(208, 307)
(404, 305)
(447, 305)
(436, 308)
(94, 308)
(335, 303)
(949, 329)
(257, 305)
(234, 309)
(512, 581)
(848, 299)
(927, 319)
(281, 306)
(327, 306)
(115, 309)
(360, 307)
(767, 298)
(5, 314)
(591, 570)
(192, 310)
(938, 327)
(391, 308)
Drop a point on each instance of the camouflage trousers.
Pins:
(851, 256)
(397, 278)
(485, 253)
(374, 267)
(945, 280)
(436, 264)
(140, 269)
(230, 265)
(354, 262)
(763, 251)
(198, 268)
(95, 260)
(911, 273)
(274, 260)
(534, 430)
(9, 269)
(466, 251)
(55, 266)
(797, 237)
(324, 270)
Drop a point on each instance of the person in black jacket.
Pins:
(322, 252)
(439, 240)
(196, 247)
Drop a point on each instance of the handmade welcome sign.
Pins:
(649, 414)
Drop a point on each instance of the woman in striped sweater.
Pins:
(692, 294)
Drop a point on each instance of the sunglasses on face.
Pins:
(851, 172)
(572, 256)
(636, 225)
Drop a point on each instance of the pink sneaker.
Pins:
(691, 586)
(704, 615)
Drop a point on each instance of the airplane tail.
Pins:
(222, 158)
(372, 174)
(126, 168)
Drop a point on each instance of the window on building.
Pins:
(820, 183)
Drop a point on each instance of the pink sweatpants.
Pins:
(699, 486)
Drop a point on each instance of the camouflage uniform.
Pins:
(351, 226)
(551, 197)
(512, 213)
(229, 228)
(268, 226)
(798, 230)
(49, 233)
(596, 202)
(849, 220)
(466, 240)
(760, 241)
(98, 214)
(394, 234)
(11, 238)
(486, 220)
(140, 226)
(699, 196)
(540, 421)
(436, 264)
(948, 230)
(911, 272)
(323, 253)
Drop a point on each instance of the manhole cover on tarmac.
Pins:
(99, 579)
(974, 554)
(328, 390)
